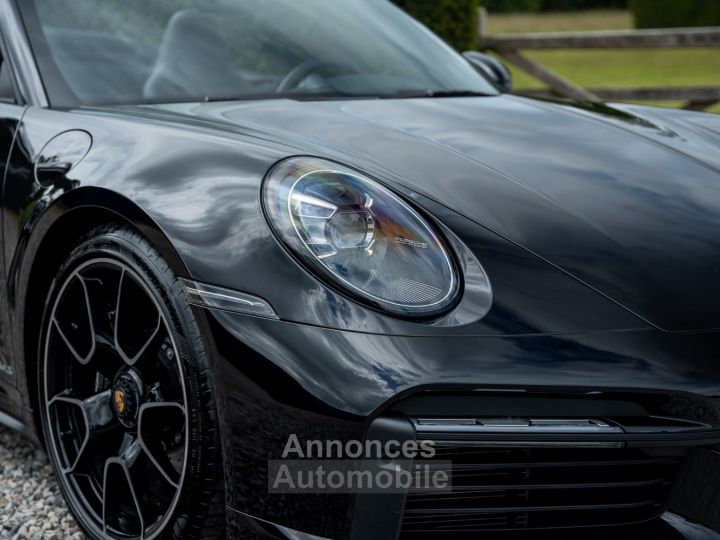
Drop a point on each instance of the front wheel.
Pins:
(126, 400)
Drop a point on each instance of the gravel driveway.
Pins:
(31, 506)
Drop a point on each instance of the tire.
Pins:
(126, 395)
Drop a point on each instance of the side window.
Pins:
(7, 89)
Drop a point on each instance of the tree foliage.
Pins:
(456, 21)
(675, 13)
(505, 6)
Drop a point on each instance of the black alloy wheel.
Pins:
(128, 412)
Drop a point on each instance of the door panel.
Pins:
(10, 116)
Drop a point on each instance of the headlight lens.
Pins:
(361, 235)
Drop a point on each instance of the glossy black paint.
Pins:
(595, 189)
(597, 226)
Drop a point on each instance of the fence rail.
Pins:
(508, 47)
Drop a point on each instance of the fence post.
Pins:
(559, 85)
(482, 22)
(509, 46)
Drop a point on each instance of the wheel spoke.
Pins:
(163, 447)
(74, 318)
(137, 334)
(96, 408)
(95, 413)
(130, 450)
(120, 507)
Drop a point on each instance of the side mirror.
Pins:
(492, 69)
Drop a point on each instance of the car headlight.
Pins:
(361, 236)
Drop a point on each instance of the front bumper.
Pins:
(669, 525)
(276, 378)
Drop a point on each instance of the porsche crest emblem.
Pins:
(119, 401)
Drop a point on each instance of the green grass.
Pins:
(509, 23)
(613, 68)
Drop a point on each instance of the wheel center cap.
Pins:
(127, 395)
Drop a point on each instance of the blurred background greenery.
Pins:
(456, 22)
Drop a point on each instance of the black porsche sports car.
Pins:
(236, 229)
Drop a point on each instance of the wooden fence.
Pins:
(509, 47)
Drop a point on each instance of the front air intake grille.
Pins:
(515, 489)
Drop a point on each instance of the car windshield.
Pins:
(135, 51)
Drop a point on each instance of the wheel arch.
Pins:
(42, 249)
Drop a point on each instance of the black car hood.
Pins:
(628, 204)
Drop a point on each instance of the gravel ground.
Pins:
(31, 506)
